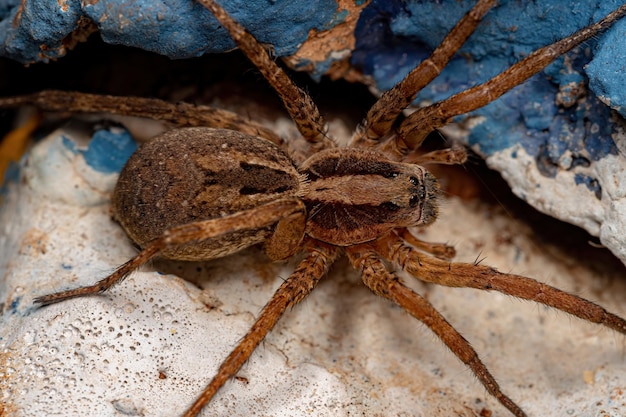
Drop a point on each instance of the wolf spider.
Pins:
(322, 200)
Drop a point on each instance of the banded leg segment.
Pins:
(438, 250)
(292, 291)
(179, 114)
(258, 217)
(418, 125)
(387, 285)
(386, 110)
(298, 103)
(456, 274)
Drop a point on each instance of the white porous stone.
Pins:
(562, 197)
(148, 346)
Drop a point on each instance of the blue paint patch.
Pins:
(176, 28)
(109, 150)
(546, 115)
(66, 267)
(40, 31)
(607, 71)
(592, 184)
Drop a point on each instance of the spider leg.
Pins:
(418, 125)
(438, 250)
(293, 290)
(388, 285)
(456, 274)
(179, 114)
(298, 103)
(386, 110)
(455, 155)
(259, 217)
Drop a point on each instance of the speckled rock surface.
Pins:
(149, 345)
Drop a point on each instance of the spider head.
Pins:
(415, 196)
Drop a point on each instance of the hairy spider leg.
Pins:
(438, 250)
(414, 129)
(265, 215)
(179, 114)
(457, 274)
(455, 155)
(299, 104)
(385, 284)
(293, 290)
(385, 111)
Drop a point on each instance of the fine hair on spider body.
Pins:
(241, 184)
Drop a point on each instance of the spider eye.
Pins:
(414, 200)
(392, 174)
(414, 181)
(422, 192)
(388, 205)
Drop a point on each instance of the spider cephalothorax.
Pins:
(356, 195)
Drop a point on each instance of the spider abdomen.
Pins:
(195, 174)
(356, 195)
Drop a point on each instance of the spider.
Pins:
(316, 198)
